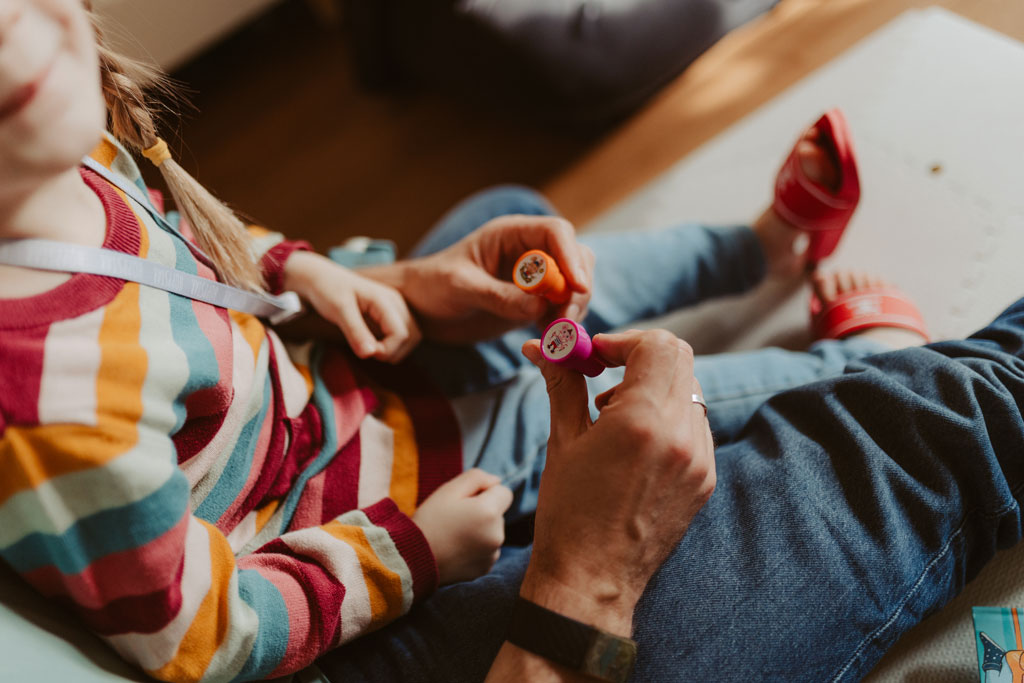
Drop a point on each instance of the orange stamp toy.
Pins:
(537, 273)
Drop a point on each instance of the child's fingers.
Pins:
(399, 330)
(497, 498)
(349, 318)
(471, 482)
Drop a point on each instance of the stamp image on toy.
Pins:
(565, 342)
(531, 268)
(537, 273)
(560, 340)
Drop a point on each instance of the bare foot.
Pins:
(828, 286)
(785, 245)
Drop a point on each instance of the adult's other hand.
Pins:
(617, 495)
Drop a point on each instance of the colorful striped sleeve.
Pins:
(97, 517)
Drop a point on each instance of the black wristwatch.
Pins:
(571, 643)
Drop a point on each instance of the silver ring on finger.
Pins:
(699, 400)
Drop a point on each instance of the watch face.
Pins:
(559, 340)
(609, 657)
(530, 270)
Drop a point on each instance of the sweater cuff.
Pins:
(411, 543)
(272, 263)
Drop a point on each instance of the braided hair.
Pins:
(219, 232)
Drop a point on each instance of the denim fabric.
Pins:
(499, 397)
(846, 511)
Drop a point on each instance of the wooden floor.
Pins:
(285, 136)
(741, 72)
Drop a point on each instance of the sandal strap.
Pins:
(811, 206)
(864, 309)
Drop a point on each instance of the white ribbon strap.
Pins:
(77, 258)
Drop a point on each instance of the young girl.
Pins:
(218, 504)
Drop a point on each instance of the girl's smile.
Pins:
(23, 95)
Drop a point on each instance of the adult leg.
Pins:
(644, 274)
(736, 384)
(846, 511)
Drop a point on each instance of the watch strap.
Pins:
(571, 643)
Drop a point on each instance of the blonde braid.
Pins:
(217, 229)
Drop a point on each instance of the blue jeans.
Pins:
(499, 397)
(846, 511)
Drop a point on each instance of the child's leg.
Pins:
(644, 274)
(736, 384)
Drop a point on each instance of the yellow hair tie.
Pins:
(158, 153)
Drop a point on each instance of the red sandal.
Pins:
(862, 309)
(812, 207)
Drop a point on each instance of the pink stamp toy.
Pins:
(567, 343)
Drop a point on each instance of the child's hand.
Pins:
(373, 317)
(464, 524)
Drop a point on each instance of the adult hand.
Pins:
(617, 495)
(464, 524)
(373, 317)
(465, 292)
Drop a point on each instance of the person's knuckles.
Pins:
(461, 279)
(660, 340)
(561, 227)
(679, 449)
(684, 348)
(496, 534)
(643, 431)
(707, 487)
(502, 498)
(476, 477)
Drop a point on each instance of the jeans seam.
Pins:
(956, 535)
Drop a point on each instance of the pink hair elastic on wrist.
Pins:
(566, 343)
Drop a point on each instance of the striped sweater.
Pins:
(214, 503)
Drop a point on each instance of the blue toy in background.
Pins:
(997, 634)
(358, 252)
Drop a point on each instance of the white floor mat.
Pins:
(936, 107)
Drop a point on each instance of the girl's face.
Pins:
(51, 105)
